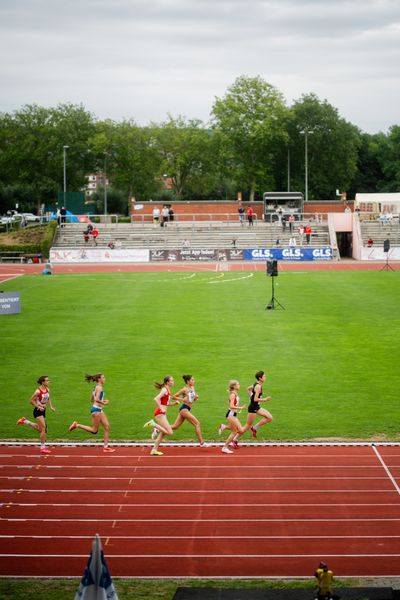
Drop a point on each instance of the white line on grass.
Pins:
(232, 279)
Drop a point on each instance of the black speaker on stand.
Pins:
(272, 271)
(386, 248)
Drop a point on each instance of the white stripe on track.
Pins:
(330, 520)
(199, 537)
(202, 505)
(188, 491)
(392, 479)
(194, 556)
(189, 466)
(129, 478)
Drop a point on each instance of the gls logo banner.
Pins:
(297, 254)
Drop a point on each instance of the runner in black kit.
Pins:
(255, 391)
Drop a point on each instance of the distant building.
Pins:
(95, 181)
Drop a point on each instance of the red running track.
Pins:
(265, 511)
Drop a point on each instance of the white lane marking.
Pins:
(392, 479)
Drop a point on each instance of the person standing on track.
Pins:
(234, 424)
(39, 401)
(187, 395)
(161, 423)
(97, 412)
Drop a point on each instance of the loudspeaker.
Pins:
(386, 245)
(272, 268)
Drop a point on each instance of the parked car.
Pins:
(30, 217)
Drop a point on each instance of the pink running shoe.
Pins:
(253, 432)
(45, 450)
(73, 426)
(108, 449)
(234, 444)
(21, 421)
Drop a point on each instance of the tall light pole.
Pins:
(306, 132)
(105, 184)
(65, 148)
(288, 169)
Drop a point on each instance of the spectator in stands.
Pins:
(278, 242)
(86, 235)
(185, 243)
(324, 581)
(156, 216)
(171, 214)
(292, 242)
(291, 223)
(63, 214)
(301, 234)
(164, 215)
(58, 215)
(95, 235)
(111, 244)
(241, 214)
(283, 222)
(308, 231)
(118, 244)
(370, 242)
(250, 216)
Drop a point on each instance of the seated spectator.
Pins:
(292, 242)
(47, 270)
(95, 235)
(370, 242)
(86, 235)
(118, 243)
(111, 244)
(185, 243)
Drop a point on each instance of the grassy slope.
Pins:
(332, 356)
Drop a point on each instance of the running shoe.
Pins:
(226, 450)
(221, 428)
(156, 453)
(73, 426)
(154, 433)
(21, 421)
(108, 449)
(234, 444)
(253, 432)
(205, 445)
(150, 423)
(45, 450)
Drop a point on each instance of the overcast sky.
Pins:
(143, 59)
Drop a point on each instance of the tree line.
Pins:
(252, 143)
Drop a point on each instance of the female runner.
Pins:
(161, 423)
(39, 401)
(254, 407)
(98, 415)
(187, 395)
(231, 416)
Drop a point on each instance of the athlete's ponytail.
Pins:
(159, 385)
(187, 378)
(90, 378)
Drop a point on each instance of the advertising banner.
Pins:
(295, 254)
(200, 255)
(98, 255)
(379, 254)
(10, 303)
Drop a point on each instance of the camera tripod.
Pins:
(274, 303)
(386, 266)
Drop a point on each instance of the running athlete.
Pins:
(39, 401)
(231, 416)
(187, 395)
(161, 423)
(255, 391)
(97, 412)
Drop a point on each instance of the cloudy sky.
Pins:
(143, 59)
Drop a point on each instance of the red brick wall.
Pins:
(204, 209)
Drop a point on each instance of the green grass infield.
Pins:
(332, 356)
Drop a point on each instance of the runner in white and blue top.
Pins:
(187, 395)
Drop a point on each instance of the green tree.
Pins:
(31, 149)
(187, 153)
(388, 152)
(332, 148)
(251, 120)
